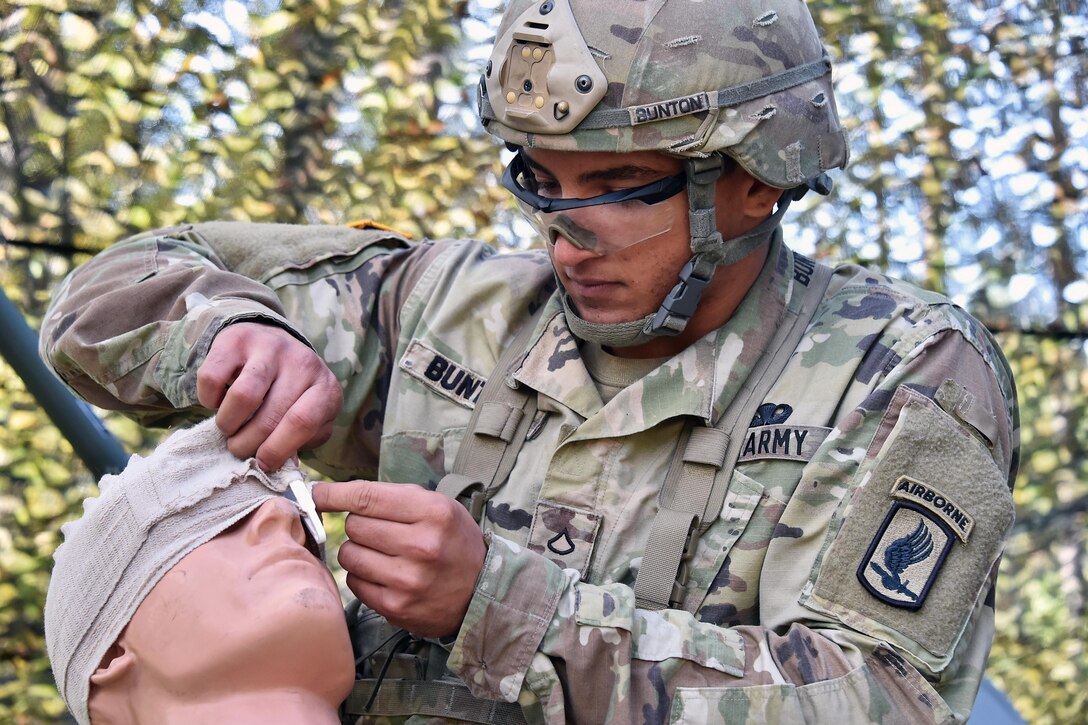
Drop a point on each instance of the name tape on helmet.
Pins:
(674, 108)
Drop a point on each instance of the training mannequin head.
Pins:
(245, 627)
(188, 592)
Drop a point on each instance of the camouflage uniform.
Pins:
(895, 410)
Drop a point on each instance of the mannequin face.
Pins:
(251, 611)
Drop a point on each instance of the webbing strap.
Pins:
(432, 698)
(663, 559)
(698, 478)
(494, 435)
(726, 97)
(685, 496)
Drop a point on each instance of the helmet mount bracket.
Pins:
(542, 76)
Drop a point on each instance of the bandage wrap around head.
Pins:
(743, 78)
(145, 519)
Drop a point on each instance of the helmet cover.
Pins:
(749, 79)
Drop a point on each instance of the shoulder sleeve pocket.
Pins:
(262, 251)
(920, 536)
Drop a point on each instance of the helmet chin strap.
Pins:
(615, 334)
(709, 251)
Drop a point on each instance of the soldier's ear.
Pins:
(746, 195)
(759, 198)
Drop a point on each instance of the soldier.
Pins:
(717, 481)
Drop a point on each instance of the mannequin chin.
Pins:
(247, 627)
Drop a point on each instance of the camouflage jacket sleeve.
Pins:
(129, 329)
(938, 414)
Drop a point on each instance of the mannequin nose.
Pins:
(276, 517)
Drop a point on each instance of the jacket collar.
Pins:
(700, 381)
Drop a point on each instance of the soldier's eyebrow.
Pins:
(623, 172)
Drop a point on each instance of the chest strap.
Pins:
(495, 433)
(698, 477)
(431, 698)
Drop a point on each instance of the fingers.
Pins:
(393, 538)
(389, 585)
(371, 565)
(368, 593)
(219, 370)
(411, 554)
(312, 414)
(383, 582)
(294, 412)
(273, 394)
(245, 396)
(234, 348)
(389, 501)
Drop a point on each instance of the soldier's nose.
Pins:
(566, 253)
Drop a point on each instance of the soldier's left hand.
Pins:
(412, 555)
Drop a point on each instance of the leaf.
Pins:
(273, 24)
(278, 100)
(138, 217)
(44, 503)
(78, 34)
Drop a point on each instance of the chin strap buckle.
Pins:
(680, 304)
(821, 184)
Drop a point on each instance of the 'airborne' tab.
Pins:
(939, 503)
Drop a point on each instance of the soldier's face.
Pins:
(623, 283)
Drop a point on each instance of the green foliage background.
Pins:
(969, 130)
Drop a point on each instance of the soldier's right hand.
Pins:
(273, 394)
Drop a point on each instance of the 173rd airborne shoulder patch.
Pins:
(911, 545)
(920, 534)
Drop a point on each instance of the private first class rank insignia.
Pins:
(910, 547)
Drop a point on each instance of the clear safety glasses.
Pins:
(605, 223)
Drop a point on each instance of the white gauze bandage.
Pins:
(144, 520)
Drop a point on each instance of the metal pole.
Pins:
(75, 419)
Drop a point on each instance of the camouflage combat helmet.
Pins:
(694, 79)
